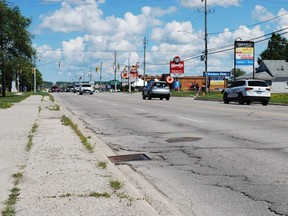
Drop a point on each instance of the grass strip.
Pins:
(68, 122)
(30, 137)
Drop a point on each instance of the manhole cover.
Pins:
(183, 139)
(129, 157)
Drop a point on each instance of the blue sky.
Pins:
(82, 34)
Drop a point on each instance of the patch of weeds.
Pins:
(102, 165)
(115, 184)
(51, 98)
(124, 196)
(17, 177)
(97, 195)
(67, 122)
(39, 109)
(55, 107)
(66, 195)
(30, 137)
(34, 128)
(9, 209)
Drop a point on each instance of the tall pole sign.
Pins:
(177, 67)
(243, 55)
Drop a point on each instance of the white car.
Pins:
(247, 91)
(86, 88)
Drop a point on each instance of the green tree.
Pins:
(16, 48)
(238, 72)
(277, 49)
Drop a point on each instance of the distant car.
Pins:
(76, 88)
(156, 89)
(54, 89)
(69, 89)
(247, 91)
(86, 88)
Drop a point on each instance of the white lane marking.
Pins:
(189, 119)
(142, 110)
(114, 104)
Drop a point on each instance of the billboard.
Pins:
(244, 52)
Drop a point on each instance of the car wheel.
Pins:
(161, 98)
(248, 102)
(80, 93)
(225, 98)
(241, 99)
(143, 96)
(149, 97)
(167, 98)
(91, 93)
(265, 103)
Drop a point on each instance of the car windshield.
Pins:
(257, 83)
(86, 85)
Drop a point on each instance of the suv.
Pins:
(246, 91)
(86, 88)
(156, 89)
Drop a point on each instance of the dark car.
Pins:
(156, 89)
(54, 89)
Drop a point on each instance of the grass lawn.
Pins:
(276, 98)
(11, 98)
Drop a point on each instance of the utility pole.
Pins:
(144, 63)
(101, 75)
(206, 48)
(34, 71)
(129, 75)
(115, 69)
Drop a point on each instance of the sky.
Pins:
(74, 37)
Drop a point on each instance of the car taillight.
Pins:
(248, 89)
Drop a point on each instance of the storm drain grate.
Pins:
(129, 157)
(183, 139)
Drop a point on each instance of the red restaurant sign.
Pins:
(177, 67)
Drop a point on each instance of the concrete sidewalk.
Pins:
(60, 176)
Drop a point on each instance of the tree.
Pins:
(238, 72)
(277, 49)
(15, 43)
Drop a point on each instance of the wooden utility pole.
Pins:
(144, 63)
(115, 69)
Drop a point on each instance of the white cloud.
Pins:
(198, 3)
(283, 21)
(261, 13)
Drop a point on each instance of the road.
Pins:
(208, 158)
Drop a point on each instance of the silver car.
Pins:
(156, 89)
(247, 91)
(85, 88)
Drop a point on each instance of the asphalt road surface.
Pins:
(208, 158)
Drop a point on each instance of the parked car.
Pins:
(247, 91)
(86, 88)
(156, 89)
